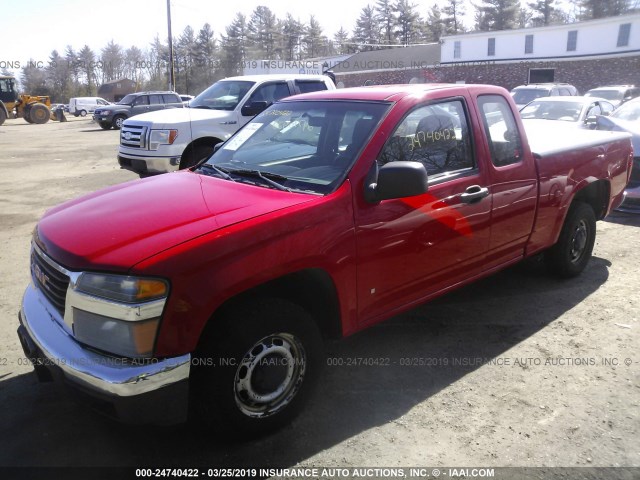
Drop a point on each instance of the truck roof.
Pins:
(276, 76)
(387, 92)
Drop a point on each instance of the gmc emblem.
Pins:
(42, 277)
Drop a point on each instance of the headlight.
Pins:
(122, 288)
(98, 112)
(161, 137)
(117, 313)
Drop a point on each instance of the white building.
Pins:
(607, 37)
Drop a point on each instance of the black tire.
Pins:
(3, 116)
(117, 122)
(570, 255)
(39, 113)
(256, 367)
(194, 155)
(26, 114)
(83, 113)
(105, 125)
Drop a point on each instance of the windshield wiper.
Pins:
(221, 171)
(266, 176)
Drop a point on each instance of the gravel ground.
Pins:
(519, 369)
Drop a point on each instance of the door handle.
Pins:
(474, 194)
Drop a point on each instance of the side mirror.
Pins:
(396, 180)
(254, 108)
(217, 147)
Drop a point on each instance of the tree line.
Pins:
(202, 57)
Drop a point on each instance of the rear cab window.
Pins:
(306, 86)
(501, 129)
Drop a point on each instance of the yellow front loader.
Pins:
(34, 109)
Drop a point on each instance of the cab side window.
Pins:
(270, 93)
(142, 100)
(503, 136)
(437, 135)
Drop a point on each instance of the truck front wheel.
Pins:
(257, 367)
(117, 122)
(570, 255)
(195, 154)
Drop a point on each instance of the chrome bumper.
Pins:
(130, 386)
(144, 164)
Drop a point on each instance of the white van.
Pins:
(80, 106)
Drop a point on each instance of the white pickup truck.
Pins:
(169, 140)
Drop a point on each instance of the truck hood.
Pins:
(169, 117)
(118, 227)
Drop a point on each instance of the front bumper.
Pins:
(151, 392)
(631, 199)
(144, 164)
(102, 118)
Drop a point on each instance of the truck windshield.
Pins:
(127, 100)
(223, 95)
(525, 95)
(307, 146)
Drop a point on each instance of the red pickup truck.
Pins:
(210, 290)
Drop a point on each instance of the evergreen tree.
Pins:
(185, 61)
(497, 14)
(341, 42)
(263, 34)
(292, 32)
(112, 62)
(592, 9)
(58, 76)
(367, 32)
(453, 12)
(87, 64)
(313, 41)
(234, 46)
(434, 26)
(408, 29)
(206, 58)
(545, 12)
(385, 16)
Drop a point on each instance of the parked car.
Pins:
(167, 141)
(212, 288)
(80, 106)
(524, 94)
(627, 119)
(616, 94)
(113, 116)
(577, 112)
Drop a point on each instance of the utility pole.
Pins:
(172, 82)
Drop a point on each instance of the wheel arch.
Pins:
(596, 195)
(312, 289)
(209, 141)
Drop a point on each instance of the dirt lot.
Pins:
(517, 370)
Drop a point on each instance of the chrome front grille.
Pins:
(50, 279)
(133, 136)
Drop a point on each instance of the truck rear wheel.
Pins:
(39, 113)
(257, 367)
(570, 255)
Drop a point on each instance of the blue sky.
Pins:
(131, 22)
(31, 29)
